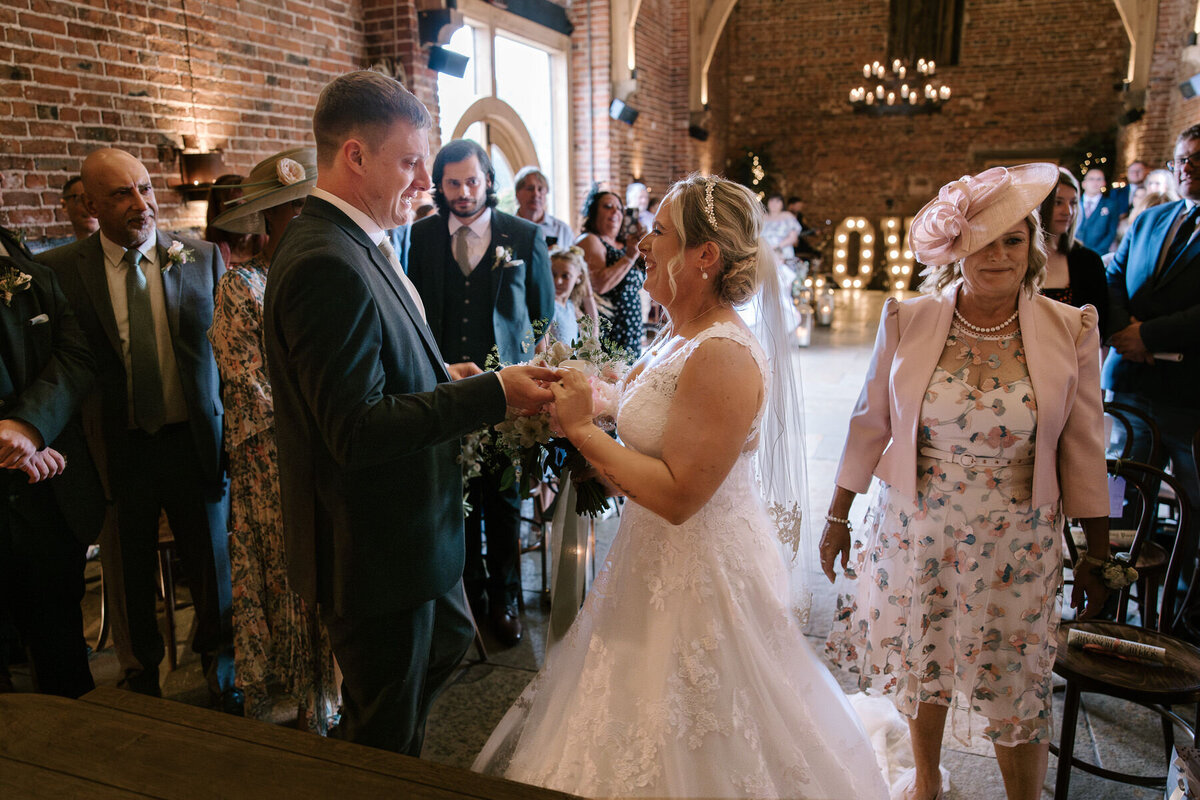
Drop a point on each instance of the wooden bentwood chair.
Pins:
(1158, 687)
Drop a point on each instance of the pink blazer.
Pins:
(1062, 349)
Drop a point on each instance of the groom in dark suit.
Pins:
(51, 502)
(485, 278)
(1154, 291)
(368, 420)
(144, 298)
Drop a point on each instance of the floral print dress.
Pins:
(622, 310)
(273, 631)
(957, 595)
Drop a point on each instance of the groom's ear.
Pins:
(353, 151)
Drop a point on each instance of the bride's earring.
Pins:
(704, 275)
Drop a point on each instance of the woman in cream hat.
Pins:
(960, 565)
(277, 640)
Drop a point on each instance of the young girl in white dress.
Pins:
(686, 673)
(573, 300)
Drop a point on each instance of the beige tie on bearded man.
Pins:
(462, 252)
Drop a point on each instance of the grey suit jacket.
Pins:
(367, 421)
(522, 296)
(188, 290)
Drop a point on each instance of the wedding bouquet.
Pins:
(530, 446)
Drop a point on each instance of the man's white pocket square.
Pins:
(40, 319)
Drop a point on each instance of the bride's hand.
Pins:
(835, 541)
(572, 400)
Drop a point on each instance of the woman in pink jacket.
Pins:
(982, 417)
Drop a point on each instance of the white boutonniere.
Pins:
(13, 281)
(504, 258)
(177, 255)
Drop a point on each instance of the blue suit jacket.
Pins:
(1098, 231)
(1167, 304)
(188, 290)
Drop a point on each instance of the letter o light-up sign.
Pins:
(849, 228)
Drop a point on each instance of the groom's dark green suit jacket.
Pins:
(368, 423)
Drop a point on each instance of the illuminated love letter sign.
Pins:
(899, 258)
(853, 231)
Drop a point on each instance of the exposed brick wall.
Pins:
(656, 146)
(1167, 111)
(75, 76)
(1034, 78)
(591, 93)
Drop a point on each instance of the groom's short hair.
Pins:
(364, 104)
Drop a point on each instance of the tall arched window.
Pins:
(514, 98)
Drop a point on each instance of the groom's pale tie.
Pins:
(385, 246)
(148, 407)
(462, 252)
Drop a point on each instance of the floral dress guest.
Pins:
(616, 275)
(981, 415)
(781, 229)
(278, 642)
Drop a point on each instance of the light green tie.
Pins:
(148, 407)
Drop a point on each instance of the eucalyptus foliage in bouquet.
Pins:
(527, 447)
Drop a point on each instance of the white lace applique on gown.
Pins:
(685, 674)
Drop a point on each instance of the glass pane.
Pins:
(523, 81)
(505, 191)
(455, 95)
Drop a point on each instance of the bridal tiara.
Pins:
(709, 183)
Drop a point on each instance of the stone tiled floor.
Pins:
(1113, 734)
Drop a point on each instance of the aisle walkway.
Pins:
(1116, 735)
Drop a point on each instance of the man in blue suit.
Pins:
(144, 299)
(1098, 217)
(1154, 293)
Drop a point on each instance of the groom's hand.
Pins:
(463, 369)
(525, 387)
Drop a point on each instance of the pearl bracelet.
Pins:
(839, 521)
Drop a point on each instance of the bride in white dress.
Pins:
(686, 673)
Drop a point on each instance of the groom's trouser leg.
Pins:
(393, 666)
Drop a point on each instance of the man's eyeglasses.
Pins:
(1176, 164)
(72, 198)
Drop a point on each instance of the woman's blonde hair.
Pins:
(938, 278)
(733, 223)
(574, 256)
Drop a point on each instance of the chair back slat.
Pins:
(1125, 415)
(1145, 480)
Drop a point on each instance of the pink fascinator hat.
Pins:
(973, 211)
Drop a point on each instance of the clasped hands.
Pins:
(1128, 342)
(21, 449)
(530, 389)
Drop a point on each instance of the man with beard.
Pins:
(485, 279)
(144, 299)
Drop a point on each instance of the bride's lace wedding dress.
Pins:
(685, 673)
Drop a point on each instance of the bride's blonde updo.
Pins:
(733, 223)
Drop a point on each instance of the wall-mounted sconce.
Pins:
(622, 112)
(198, 168)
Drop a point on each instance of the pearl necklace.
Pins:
(1000, 337)
(977, 329)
